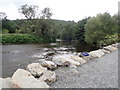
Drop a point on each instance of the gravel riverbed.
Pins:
(97, 73)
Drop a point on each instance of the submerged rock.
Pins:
(38, 56)
(49, 64)
(45, 49)
(62, 52)
(48, 53)
(36, 69)
(61, 49)
(23, 79)
(40, 60)
(53, 44)
(48, 76)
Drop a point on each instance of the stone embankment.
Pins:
(41, 75)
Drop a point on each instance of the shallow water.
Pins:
(20, 55)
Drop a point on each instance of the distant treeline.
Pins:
(102, 29)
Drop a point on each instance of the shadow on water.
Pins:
(79, 47)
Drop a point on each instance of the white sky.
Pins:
(62, 9)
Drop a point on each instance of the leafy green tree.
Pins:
(97, 28)
(80, 30)
(9, 25)
(68, 32)
(30, 12)
(115, 23)
(45, 28)
(5, 31)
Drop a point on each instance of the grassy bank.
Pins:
(20, 38)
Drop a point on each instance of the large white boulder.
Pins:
(5, 83)
(23, 79)
(65, 59)
(105, 51)
(77, 58)
(115, 45)
(49, 64)
(87, 58)
(73, 62)
(109, 48)
(36, 69)
(97, 53)
(48, 76)
(59, 60)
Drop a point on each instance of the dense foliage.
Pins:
(68, 32)
(20, 38)
(80, 30)
(49, 29)
(102, 29)
(99, 28)
(110, 39)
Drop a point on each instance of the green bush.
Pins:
(20, 38)
(110, 39)
(5, 31)
(101, 29)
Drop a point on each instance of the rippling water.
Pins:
(20, 55)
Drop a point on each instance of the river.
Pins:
(20, 55)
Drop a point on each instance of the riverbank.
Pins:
(93, 73)
(98, 73)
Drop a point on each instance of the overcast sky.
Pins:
(62, 9)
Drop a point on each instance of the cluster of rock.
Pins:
(78, 59)
(35, 76)
(39, 75)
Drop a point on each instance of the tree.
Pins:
(115, 23)
(39, 27)
(68, 32)
(30, 12)
(46, 13)
(3, 16)
(9, 25)
(80, 30)
(97, 28)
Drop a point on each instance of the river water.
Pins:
(20, 55)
